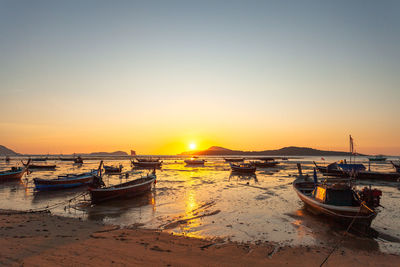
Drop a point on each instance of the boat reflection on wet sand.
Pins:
(118, 207)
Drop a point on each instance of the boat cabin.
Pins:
(337, 195)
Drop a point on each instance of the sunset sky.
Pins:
(158, 76)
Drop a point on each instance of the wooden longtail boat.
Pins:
(331, 170)
(147, 160)
(39, 159)
(234, 159)
(339, 201)
(124, 190)
(69, 180)
(194, 161)
(243, 168)
(13, 174)
(378, 158)
(67, 159)
(147, 164)
(264, 164)
(41, 167)
(112, 169)
(65, 181)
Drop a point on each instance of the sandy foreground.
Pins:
(42, 239)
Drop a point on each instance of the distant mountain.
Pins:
(7, 152)
(286, 151)
(102, 154)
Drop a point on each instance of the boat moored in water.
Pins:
(41, 167)
(396, 166)
(234, 159)
(147, 164)
(243, 168)
(264, 164)
(112, 169)
(378, 158)
(195, 161)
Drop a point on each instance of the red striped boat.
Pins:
(124, 190)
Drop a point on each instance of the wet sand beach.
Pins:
(42, 239)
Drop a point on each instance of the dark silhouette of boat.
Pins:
(40, 167)
(195, 161)
(234, 159)
(14, 173)
(357, 171)
(39, 159)
(112, 169)
(264, 164)
(124, 190)
(147, 163)
(243, 168)
(378, 158)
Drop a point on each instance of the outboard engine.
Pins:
(371, 197)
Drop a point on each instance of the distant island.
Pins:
(4, 151)
(286, 151)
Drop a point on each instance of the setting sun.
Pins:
(192, 146)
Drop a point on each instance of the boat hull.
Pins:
(56, 184)
(105, 194)
(243, 170)
(147, 164)
(12, 175)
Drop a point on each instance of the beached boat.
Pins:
(377, 158)
(65, 181)
(243, 168)
(234, 159)
(39, 159)
(194, 161)
(264, 164)
(339, 201)
(396, 166)
(124, 190)
(147, 164)
(112, 169)
(147, 159)
(67, 159)
(339, 169)
(14, 173)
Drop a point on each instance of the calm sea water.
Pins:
(208, 201)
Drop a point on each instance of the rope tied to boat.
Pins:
(344, 234)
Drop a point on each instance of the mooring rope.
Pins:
(341, 239)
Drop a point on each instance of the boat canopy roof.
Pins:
(334, 196)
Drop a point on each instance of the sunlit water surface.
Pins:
(208, 201)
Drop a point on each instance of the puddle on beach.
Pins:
(210, 202)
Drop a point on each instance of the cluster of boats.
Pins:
(335, 196)
(98, 191)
